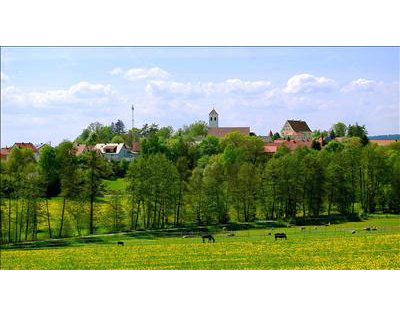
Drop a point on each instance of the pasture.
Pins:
(320, 247)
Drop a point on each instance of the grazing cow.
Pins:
(353, 232)
(367, 228)
(280, 235)
(230, 235)
(303, 228)
(209, 237)
(374, 228)
(120, 243)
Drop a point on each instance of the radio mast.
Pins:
(133, 112)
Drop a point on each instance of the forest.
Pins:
(185, 177)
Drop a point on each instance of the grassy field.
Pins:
(119, 184)
(333, 247)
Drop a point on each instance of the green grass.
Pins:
(327, 247)
(119, 184)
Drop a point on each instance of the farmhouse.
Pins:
(116, 151)
(296, 130)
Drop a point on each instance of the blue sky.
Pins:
(51, 94)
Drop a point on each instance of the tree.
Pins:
(96, 167)
(116, 211)
(117, 139)
(49, 171)
(332, 134)
(334, 146)
(210, 146)
(339, 129)
(316, 145)
(119, 127)
(276, 136)
(70, 182)
(358, 131)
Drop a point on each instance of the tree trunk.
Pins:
(27, 220)
(179, 203)
(137, 215)
(48, 218)
(9, 219)
(62, 219)
(91, 228)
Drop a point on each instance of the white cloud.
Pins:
(146, 73)
(307, 83)
(4, 77)
(81, 92)
(236, 86)
(363, 85)
(116, 71)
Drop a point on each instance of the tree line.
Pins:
(186, 177)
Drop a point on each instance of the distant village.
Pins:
(294, 133)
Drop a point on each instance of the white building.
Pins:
(116, 151)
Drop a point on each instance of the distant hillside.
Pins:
(385, 137)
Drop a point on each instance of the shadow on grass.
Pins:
(325, 219)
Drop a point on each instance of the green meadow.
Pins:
(312, 247)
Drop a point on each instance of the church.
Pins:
(215, 130)
(294, 133)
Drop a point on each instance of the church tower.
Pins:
(213, 119)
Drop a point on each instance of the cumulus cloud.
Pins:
(363, 85)
(307, 83)
(81, 92)
(116, 71)
(4, 77)
(146, 73)
(238, 86)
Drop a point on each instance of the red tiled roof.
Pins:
(5, 151)
(270, 148)
(26, 146)
(292, 144)
(222, 131)
(79, 149)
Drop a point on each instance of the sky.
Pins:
(53, 93)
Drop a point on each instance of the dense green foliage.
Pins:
(186, 177)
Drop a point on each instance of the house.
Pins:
(265, 139)
(116, 151)
(296, 130)
(272, 148)
(4, 152)
(81, 148)
(215, 130)
(28, 146)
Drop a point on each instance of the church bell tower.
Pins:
(213, 119)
